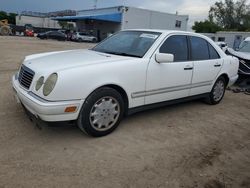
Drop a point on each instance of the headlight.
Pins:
(49, 84)
(39, 83)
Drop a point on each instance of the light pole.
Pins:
(95, 4)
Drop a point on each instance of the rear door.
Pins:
(207, 64)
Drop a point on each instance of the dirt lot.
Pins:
(186, 145)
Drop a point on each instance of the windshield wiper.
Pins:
(121, 54)
(124, 54)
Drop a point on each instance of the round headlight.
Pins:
(49, 84)
(39, 83)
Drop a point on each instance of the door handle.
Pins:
(217, 65)
(188, 68)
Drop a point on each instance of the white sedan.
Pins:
(130, 71)
(81, 37)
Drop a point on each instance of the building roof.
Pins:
(111, 14)
(127, 7)
(114, 17)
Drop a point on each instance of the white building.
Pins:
(232, 38)
(40, 22)
(103, 21)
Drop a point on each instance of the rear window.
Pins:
(213, 53)
(199, 48)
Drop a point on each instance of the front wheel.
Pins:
(101, 113)
(218, 91)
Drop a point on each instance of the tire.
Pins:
(4, 30)
(218, 91)
(94, 40)
(80, 40)
(96, 117)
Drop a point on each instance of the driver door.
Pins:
(171, 80)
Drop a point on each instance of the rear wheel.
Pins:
(218, 91)
(101, 113)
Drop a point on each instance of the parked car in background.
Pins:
(83, 37)
(52, 35)
(26, 30)
(243, 54)
(132, 70)
(222, 45)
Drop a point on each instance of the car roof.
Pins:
(166, 32)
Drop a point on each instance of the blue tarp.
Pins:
(115, 17)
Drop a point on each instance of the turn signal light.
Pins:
(70, 109)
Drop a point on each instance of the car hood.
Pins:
(56, 61)
(243, 55)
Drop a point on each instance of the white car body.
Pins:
(79, 36)
(143, 80)
(243, 56)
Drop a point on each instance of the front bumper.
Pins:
(49, 111)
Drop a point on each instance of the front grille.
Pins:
(244, 66)
(25, 76)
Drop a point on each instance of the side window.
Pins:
(199, 48)
(176, 45)
(213, 53)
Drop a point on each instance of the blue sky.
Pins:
(196, 9)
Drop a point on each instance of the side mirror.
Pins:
(164, 58)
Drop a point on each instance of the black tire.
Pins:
(94, 40)
(211, 99)
(84, 119)
(80, 40)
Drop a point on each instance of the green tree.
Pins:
(11, 17)
(206, 27)
(3, 15)
(231, 15)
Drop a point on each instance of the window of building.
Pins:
(221, 39)
(178, 23)
(176, 45)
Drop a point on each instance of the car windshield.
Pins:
(244, 47)
(128, 43)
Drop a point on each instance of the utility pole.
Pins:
(95, 4)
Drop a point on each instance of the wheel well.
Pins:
(225, 76)
(122, 92)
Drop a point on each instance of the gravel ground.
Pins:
(186, 145)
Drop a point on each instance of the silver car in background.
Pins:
(83, 37)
